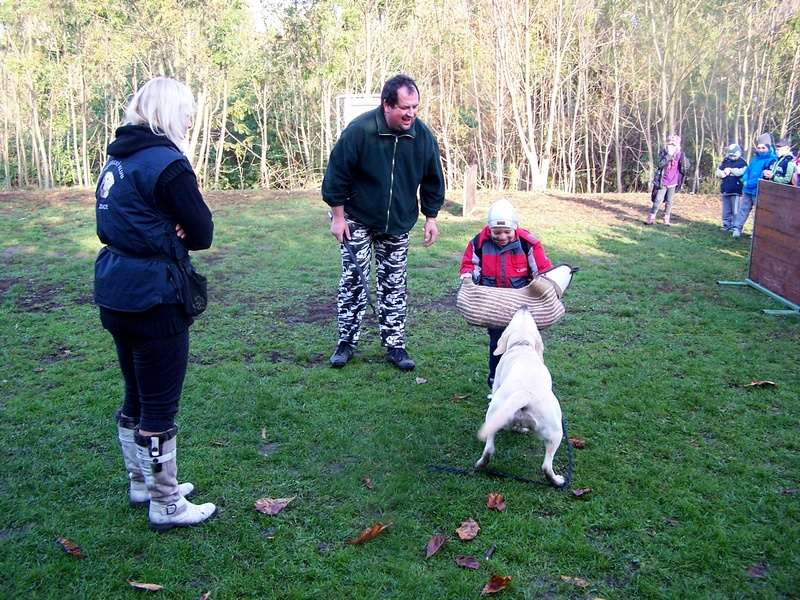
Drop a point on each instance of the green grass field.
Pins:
(695, 476)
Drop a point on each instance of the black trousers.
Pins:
(153, 369)
(494, 337)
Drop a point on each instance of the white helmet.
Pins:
(502, 214)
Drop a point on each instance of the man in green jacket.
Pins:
(375, 169)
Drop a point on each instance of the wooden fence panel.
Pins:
(775, 254)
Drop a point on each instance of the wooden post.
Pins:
(470, 189)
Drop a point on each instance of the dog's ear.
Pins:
(502, 343)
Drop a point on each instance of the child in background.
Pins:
(502, 255)
(672, 168)
(760, 161)
(782, 168)
(730, 172)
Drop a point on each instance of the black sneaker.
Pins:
(400, 359)
(343, 353)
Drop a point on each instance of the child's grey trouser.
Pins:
(730, 206)
(747, 204)
(391, 269)
(665, 195)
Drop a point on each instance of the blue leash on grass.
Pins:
(500, 474)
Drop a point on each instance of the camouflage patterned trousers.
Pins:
(391, 261)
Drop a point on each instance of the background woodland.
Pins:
(575, 95)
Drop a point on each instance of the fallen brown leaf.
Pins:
(205, 595)
(368, 483)
(219, 443)
(421, 380)
(434, 545)
(150, 587)
(70, 547)
(370, 533)
(468, 562)
(460, 397)
(468, 530)
(761, 384)
(272, 506)
(579, 581)
(578, 442)
(582, 492)
(496, 502)
(757, 571)
(38, 369)
(496, 583)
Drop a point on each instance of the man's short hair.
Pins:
(389, 91)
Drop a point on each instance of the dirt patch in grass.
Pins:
(312, 311)
(59, 354)
(40, 198)
(7, 283)
(40, 299)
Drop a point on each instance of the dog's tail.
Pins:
(504, 414)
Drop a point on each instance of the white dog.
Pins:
(522, 394)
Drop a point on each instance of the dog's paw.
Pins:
(557, 480)
(483, 461)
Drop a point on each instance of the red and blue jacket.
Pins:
(513, 265)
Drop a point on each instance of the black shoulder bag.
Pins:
(194, 288)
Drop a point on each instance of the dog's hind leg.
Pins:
(488, 452)
(550, 447)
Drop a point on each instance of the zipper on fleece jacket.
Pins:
(391, 185)
(391, 175)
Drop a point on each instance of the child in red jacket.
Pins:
(503, 255)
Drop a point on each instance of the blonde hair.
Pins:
(165, 105)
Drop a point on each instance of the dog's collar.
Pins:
(521, 343)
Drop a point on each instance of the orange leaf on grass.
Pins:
(368, 483)
(496, 502)
(468, 562)
(434, 544)
(582, 492)
(70, 547)
(578, 442)
(468, 530)
(761, 384)
(370, 533)
(150, 587)
(272, 506)
(460, 397)
(497, 583)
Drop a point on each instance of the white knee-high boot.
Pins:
(137, 491)
(168, 509)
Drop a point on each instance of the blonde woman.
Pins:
(150, 213)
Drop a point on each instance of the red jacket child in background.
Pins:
(503, 255)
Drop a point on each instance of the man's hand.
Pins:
(179, 231)
(431, 231)
(339, 228)
(767, 174)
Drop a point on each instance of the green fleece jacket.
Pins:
(374, 172)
